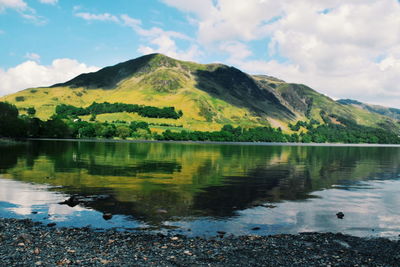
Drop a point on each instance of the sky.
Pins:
(342, 48)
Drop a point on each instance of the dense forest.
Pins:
(13, 125)
(101, 108)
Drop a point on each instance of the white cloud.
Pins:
(50, 2)
(31, 74)
(161, 41)
(228, 20)
(337, 52)
(341, 48)
(100, 17)
(23, 9)
(157, 40)
(237, 51)
(32, 56)
(13, 4)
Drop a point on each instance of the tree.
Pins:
(108, 131)
(10, 124)
(8, 111)
(87, 131)
(31, 111)
(56, 128)
(92, 117)
(123, 131)
(34, 127)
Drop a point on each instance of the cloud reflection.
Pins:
(29, 197)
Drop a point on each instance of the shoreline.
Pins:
(214, 142)
(27, 243)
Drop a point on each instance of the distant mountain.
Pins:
(210, 95)
(389, 112)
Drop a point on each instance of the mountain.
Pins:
(209, 95)
(381, 110)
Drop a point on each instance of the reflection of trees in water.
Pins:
(11, 154)
(204, 179)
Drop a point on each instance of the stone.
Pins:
(36, 251)
(107, 216)
(187, 252)
(161, 211)
(340, 215)
(71, 202)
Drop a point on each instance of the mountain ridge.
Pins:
(378, 109)
(210, 95)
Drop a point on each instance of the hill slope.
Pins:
(209, 95)
(386, 111)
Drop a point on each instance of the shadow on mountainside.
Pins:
(239, 89)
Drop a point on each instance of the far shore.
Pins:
(212, 142)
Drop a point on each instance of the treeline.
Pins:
(102, 108)
(344, 131)
(83, 129)
(228, 133)
(349, 132)
(14, 126)
(317, 133)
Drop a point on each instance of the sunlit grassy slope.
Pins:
(209, 95)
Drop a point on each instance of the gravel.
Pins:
(26, 243)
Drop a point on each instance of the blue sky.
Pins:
(59, 33)
(345, 49)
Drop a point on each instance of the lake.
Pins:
(199, 189)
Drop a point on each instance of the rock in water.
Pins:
(107, 216)
(221, 233)
(162, 211)
(340, 215)
(72, 202)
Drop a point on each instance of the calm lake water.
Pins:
(198, 189)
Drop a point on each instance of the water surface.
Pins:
(198, 189)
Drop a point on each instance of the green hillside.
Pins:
(386, 111)
(209, 96)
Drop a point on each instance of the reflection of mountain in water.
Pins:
(259, 185)
(190, 179)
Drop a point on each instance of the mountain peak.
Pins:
(109, 77)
